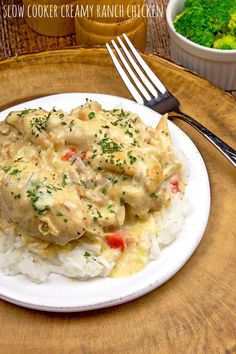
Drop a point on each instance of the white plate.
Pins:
(61, 294)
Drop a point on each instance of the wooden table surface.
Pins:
(194, 312)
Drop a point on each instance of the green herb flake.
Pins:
(39, 124)
(35, 193)
(58, 213)
(6, 169)
(64, 180)
(87, 254)
(122, 114)
(113, 180)
(110, 146)
(15, 172)
(122, 201)
(71, 125)
(104, 191)
(18, 159)
(23, 113)
(93, 156)
(132, 158)
(34, 196)
(128, 132)
(111, 209)
(97, 216)
(91, 115)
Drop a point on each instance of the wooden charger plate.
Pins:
(200, 299)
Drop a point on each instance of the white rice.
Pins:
(16, 258)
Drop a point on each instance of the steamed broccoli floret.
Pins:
(204, 21)
(218, 14)
(232, 23)
(193, 24)
(225, 42)
(193, 3)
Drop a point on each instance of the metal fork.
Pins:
(148, 90)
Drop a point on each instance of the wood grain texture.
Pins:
(194, 312)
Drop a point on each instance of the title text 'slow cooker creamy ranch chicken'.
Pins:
(91, 174)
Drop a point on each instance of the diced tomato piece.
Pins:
(116, 240)
(174, 182)
(68, 156)
(72, 148)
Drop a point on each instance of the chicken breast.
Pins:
(66, 175)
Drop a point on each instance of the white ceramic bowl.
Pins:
(216, 65)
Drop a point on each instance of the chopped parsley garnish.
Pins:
(89, 206)
(72, 123)
(36, 191)
(15, 172)
(91, 115)
(154, 196)
(18, 159)
(128, 132)
(58, 213)
(122, 201)
(113, 181)
(64, 180)
(51, 188)
(104, 191)
(87, 254)
(39, 124)
(6, 169)
(132, 158)
(97, 216)
(111, 209)
(34, 194)
(108, 145)
(134, 143)
(93, 156)
(23, 113)
(122, 114)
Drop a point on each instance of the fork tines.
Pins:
(145, 85)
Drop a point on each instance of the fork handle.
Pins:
(224, 148)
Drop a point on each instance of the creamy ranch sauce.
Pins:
(136, 256)
(68, 179)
